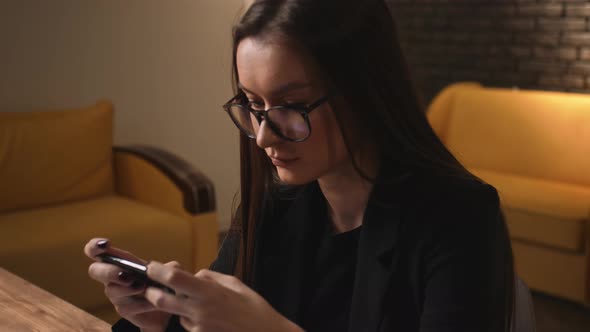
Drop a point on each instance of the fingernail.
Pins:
(102, 244)
(124, 276)
(137, 284)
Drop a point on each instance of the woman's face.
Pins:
(274, 73)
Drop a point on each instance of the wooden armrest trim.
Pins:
(196, 188)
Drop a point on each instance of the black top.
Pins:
(329, 283)
(433, 256)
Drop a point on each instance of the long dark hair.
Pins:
(356, 47)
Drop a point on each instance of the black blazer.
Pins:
(433, 256)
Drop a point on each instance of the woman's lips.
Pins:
(282, 162)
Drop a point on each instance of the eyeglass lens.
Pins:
(290, 123)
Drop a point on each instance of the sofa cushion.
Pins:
(540, 211)
(532, 133)
(49, 157)
(45, 245)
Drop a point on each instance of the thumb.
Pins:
(227, 281)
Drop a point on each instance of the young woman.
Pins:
(353, 216)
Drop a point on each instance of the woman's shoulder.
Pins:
(450, 201)
(444, 216)
(450, 191)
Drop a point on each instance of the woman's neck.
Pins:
(347, 194)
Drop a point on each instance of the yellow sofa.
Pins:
(534, 147)
(62, 182)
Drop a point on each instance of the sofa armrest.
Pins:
(145, 173)
(439, 110)
(162, 180)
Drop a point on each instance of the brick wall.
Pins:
(542, 44)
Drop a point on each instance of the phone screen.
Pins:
(124, 264)
(139, 271)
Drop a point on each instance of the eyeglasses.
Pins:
(290, 122)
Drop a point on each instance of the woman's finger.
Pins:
(181, 281)
(115, 291)
(98, 246)
(173, 264)
(129, 306)
(188, 324)
(167, 302)
(225, 280)
(108, 273)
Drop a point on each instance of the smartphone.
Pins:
(138, 271)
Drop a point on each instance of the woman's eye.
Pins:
(255, 105)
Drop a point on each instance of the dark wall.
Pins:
(543, 44)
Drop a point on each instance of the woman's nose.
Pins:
(265, 136)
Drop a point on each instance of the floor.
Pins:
(555, 315)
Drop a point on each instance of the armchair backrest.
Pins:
(531, 133)
(50, 157)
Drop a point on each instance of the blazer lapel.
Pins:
(280, 262)
(377, 256)
(290, 240)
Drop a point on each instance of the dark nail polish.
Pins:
(137, 284)
(124, 276)
(102, 244)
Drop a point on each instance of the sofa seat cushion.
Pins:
(45, 245)
(542, 211)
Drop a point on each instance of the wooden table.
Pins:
(25, 307)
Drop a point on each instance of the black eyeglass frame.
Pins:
(260, 115)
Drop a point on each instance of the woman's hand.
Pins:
(123, 291)
(213, 302)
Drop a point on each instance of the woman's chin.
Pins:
(293, 178)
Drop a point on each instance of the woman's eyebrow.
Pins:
(291, 86)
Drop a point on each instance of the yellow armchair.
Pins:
(62, 183)
(534, 147)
